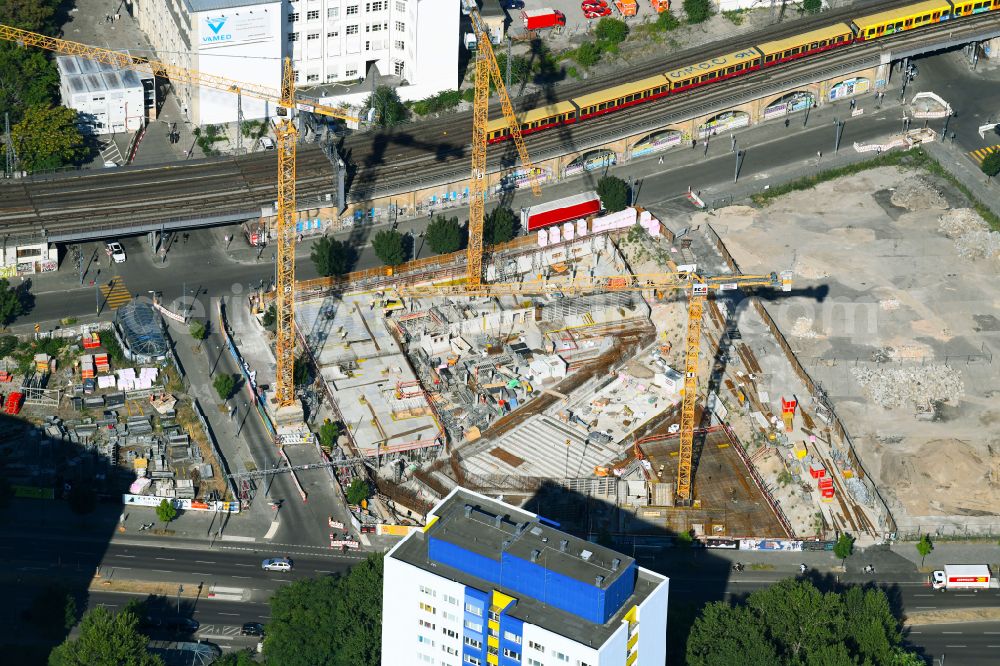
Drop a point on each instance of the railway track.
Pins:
(132, 196)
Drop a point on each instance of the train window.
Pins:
(908, 22)
(927, 17)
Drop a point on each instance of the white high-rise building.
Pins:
(333, 44)
(488, 583)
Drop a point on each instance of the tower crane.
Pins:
(287, 103)
(697, 288)
(487, 69)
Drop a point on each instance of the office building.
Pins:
(488, 583)
(334, 44)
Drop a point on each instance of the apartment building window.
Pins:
(400, 26)
(331, 77)
(293, 36)
(333, 12)
(474, 626)
(495, 616)
(510, 654)
(312, 78)
(368, 46)
(312, 15)
(475, 610)
(352, 30)
(491, 650)
(351, 73)
(295, 74)
(448, 599)
(312, 35)
(473, 643)
(451, 617)
(427, 607)
(560, 656)
(534, 662)
(582, 663)
(397, 68)
(424, 639)
(425, 657)
(376, 6)
(469, 659)
(450, 633)
(352, 9)
(400, 45)
(447, 649)
(333, 33)
(400, 5)
(536, 646)
(293, 17)
(424, 623)
(512, 637)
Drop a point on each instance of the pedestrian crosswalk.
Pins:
(116, 294)
(979, 155)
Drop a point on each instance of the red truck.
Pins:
(568, 209)
(539, 19)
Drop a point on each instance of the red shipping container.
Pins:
(825, 483)
(817, 472)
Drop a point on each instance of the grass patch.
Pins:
(910, 159)
(761, 566)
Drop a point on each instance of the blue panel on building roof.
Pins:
(463, 560)
(548, 521)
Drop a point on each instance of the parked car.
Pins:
(181, 625)
(266, 143)
(252, 629)
(276, 564)
(116, 252)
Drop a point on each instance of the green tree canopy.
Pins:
(587, 54)
(812, 6)
(792, 622)
(105, 639)
(33, 15)
(991, 163)
(11, 302)
(444, 235)
(224, 384)
(611, 30)
(499, 226)
(333, 620)
(328, 434)
(166, 511)
(389, 110)
(520, 68)
(613, 192)
(331, 257)
(357, 491)
(924, 547)
(53, 611)
(270, 315)
(697, 11)
(388, 246)
(47, 137)
(301, 373)
(844, 546)
(240, 658)
(198, 330)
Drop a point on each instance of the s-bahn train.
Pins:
(749, 59)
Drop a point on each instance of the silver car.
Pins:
(276, 564)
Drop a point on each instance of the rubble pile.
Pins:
(896, 386)
(972, 236)
(803, 328)
(960, 221)
(916, 194)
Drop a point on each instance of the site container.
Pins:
(571, 208)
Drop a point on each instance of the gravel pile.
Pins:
(972, 236)
(897, 386)
(917, 194)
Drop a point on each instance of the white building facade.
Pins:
(414, 42)
(107, 99)
(488, 583)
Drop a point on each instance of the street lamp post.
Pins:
(180, 588)
(740, 154)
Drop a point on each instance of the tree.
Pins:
(82, 499)
(224, 384)
(613, 192)
(166, 511)
(388, 245)
(11, 303)
(792, 622)
(198, 330)
(53, 611)
(333, 620)
(667, 21)
(357, 491)
(444, 235)
(47, 137)
(27, 78)
(520, 68)
(241, 658)
(331, 257)
(499, 226)
(812, 6)
(684, 539)
(301, 373)
(697, 10)
(587, 54)
(924, 547)
(389, 110)
(8, 343)
(611, 30)
(33, 15)
(270, 316)
(329, 432)
(844, 547)
(106, 639)
(991, 163)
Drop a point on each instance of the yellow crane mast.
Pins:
(287, 104)
(697, 288)
(487, 69)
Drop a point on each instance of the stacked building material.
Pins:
(92, 341)
(14, 402)
(102, 363)
(41, 362)
(87, 366)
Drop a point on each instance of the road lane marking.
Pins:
(115, 566)
(993, 646)
(951, 632)
(925, 607)
(243, 565)
(923, 595)
(165, 559)
(161, 571)
(116, 555)
(207, 562)
(233, 614)
(956, 646)
(195, 573)
(916, 632)
(244, 577)
(992, 633)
